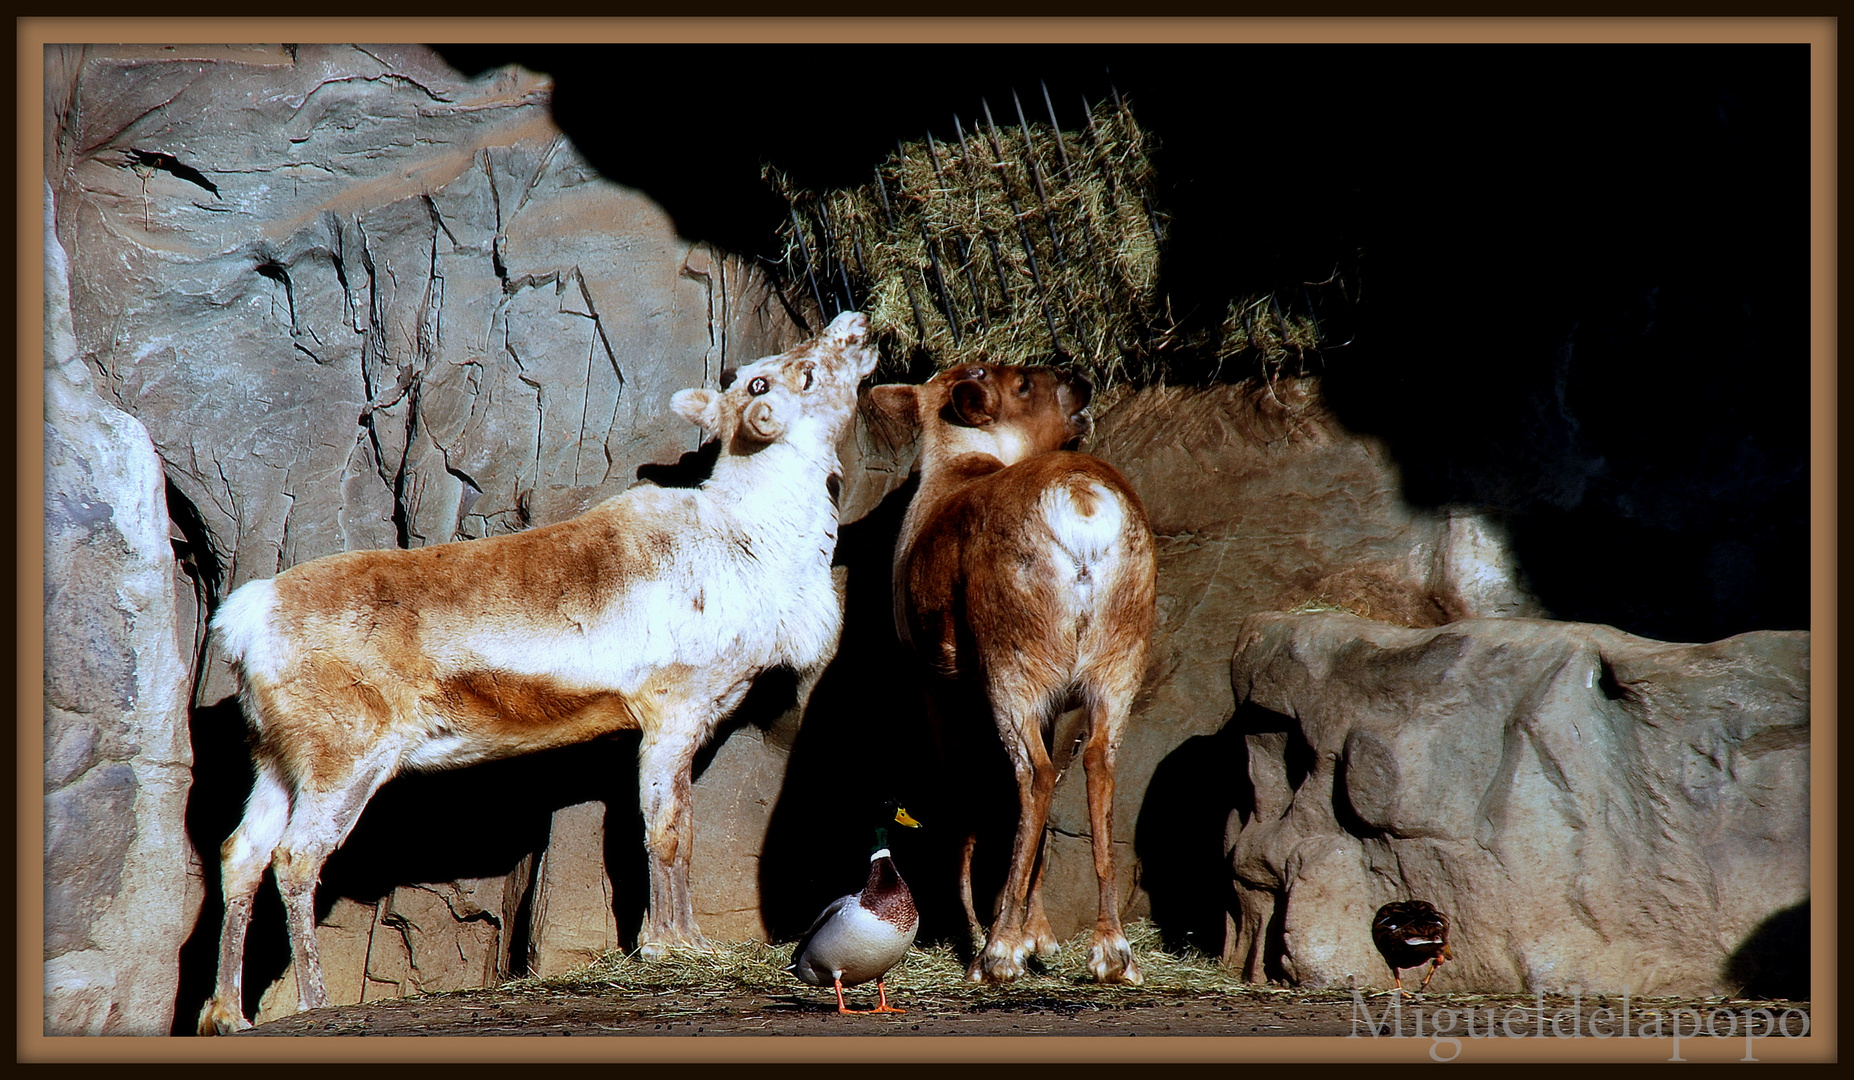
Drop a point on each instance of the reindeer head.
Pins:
(808, 391)
(1005, 411)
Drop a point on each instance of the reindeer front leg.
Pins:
(664, 764)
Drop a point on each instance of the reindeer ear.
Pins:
(974, 402)
(761, 421)
(896, 403)
(698, 407)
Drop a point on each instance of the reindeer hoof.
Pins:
(219, 1019)
(656, 948)
(1111, 961)
(997, 964)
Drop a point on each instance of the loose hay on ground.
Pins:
(932, 975)
(686, 983)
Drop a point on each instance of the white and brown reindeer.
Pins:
(653, 611)
(1025, 581)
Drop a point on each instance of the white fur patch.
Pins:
(244, 625)
(267, 811)
(1012, 447)
(1086, 555)
(440, 751)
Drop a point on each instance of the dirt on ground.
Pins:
(742, 988)
(697, 1012)
(707, 1013)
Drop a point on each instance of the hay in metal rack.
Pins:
(1024, 243)
(1011, 243)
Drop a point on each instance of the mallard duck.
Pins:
(1409, 932)
(861, 936)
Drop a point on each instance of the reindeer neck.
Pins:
(942, 476)
(777, 484)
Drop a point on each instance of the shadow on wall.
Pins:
(222, 777)
(1282, 741)
(1773, 963)
(865, 738)
(1183, 834)
(1621, 412)
(857, 746)
(479, 822)
(1546, 335)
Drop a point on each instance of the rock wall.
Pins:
(1596, 812)
(118, 898)
(358, 301)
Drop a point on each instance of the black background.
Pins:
(1581, 282)
(1581, 271)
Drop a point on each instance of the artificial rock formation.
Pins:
(1595, 812)
(118, 899)
(358, 301)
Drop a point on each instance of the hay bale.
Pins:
(1022, 243)
(1013, 243)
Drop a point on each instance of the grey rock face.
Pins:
(1594, 811)
(357, 301)
(404, 312)
(118, 899)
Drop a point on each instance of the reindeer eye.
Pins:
(758, 386)
(1023, 388)
(809, 379)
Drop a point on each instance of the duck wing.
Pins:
(829, 913)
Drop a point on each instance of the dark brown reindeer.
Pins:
(1025, 573)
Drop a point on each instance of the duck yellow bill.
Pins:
(902, 818)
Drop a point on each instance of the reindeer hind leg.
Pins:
(1039, 938)
(242, 859)
(1111, 957)
(975, 929)
(319, 822)
(1003, 956)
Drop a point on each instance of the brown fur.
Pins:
(377, 616)
(1010, 579)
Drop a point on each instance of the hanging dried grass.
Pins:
(1009, 244)
(1024, 243)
